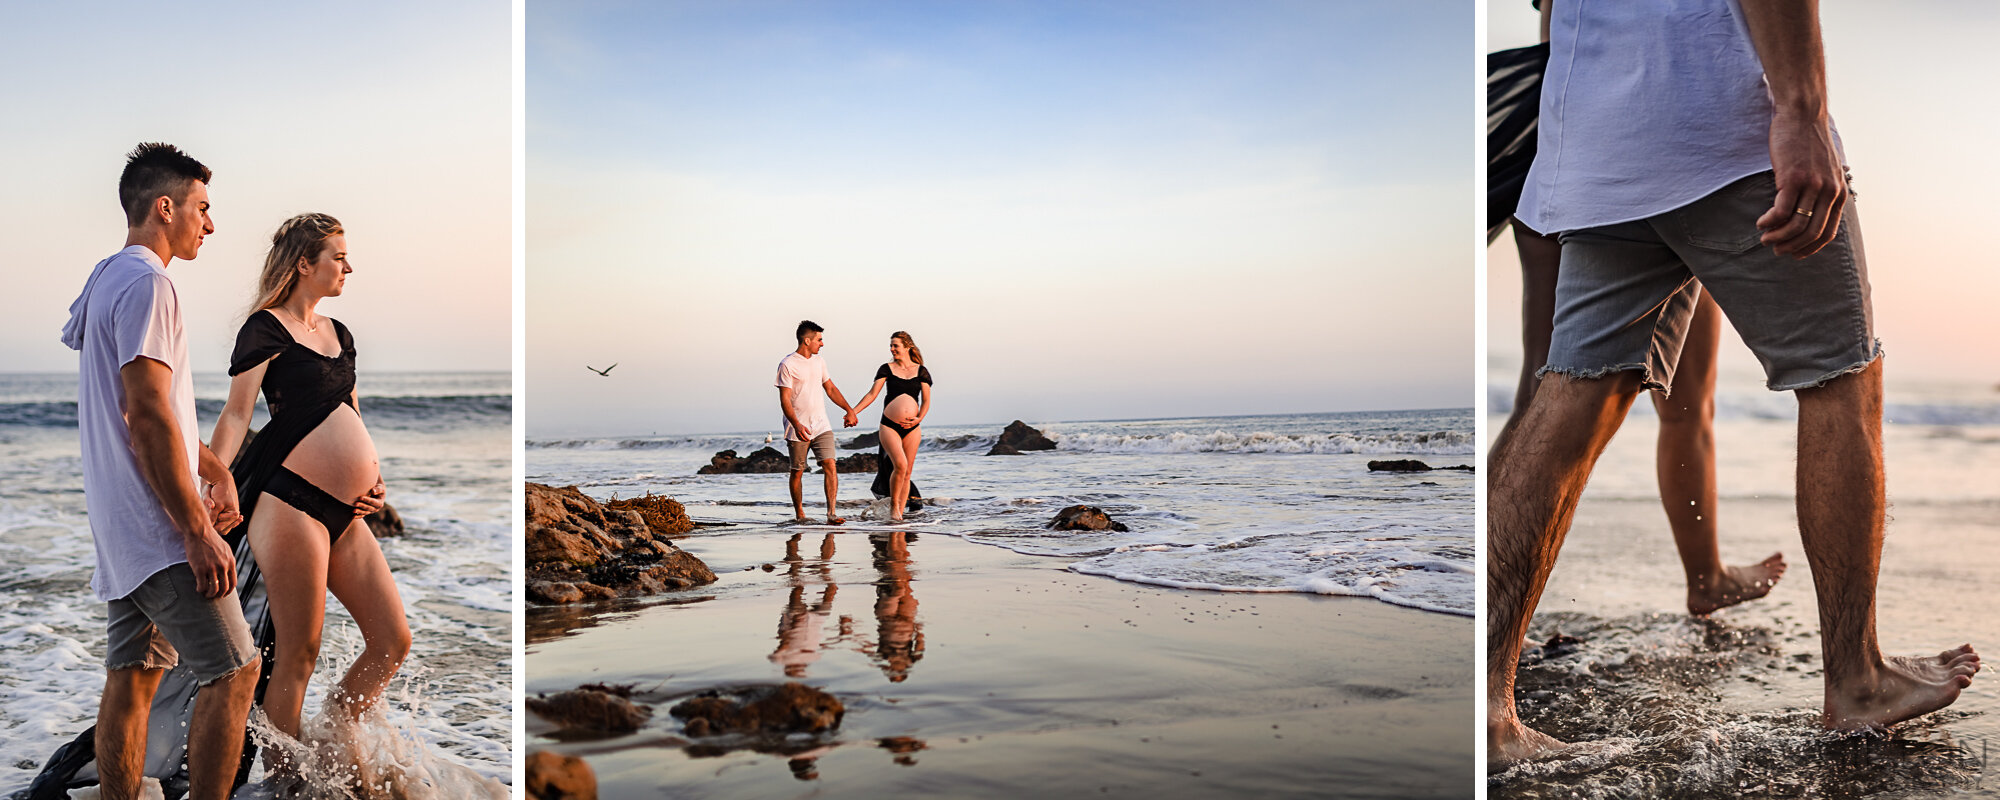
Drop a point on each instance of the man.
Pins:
(161, 561)
(803, 388)
(1686, 146)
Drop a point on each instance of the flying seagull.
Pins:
(606, 372)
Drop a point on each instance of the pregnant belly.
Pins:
(337, 456)
(901, 409)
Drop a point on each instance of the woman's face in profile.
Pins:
(328, 276)
(896, 349)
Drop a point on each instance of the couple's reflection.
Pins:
(899, 637)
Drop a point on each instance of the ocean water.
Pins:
(1728, 706)
(1230, 504)
(443, 442)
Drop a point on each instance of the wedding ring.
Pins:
(1802, 211)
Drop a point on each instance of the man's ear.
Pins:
(163, 209)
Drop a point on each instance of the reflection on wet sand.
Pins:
(899, 637)
(802, 639)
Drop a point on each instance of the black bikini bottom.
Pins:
(299, 493)
(900, 430)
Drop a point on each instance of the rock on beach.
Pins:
(579, 549)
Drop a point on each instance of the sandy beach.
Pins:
(1728, 706)
(972, 671)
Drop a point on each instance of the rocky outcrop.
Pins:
(595, 707)
(788, 708)
(578, 549)
(859, 463)
(866, 441)
(765, 459)
(385, 523)
(1409, 465)
(552, 776)
(1018, 438)
(1085, 518)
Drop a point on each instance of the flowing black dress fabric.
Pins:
(1513, 111)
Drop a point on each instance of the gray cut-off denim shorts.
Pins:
(167, 620)
(1625, 293)
(821, 446)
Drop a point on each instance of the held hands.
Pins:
(849, 420)
(220, 500)
(375, 500)
(1812, 189)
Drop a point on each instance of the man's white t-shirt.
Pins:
(807, 379)
(128, 310)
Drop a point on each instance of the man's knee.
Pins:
(239, 680)
(1563, 391)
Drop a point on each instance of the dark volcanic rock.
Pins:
(552, 776)
(1085, 518)
(1019, 438)
(579, 549)
(766, 459)
(787, 708)
(865, 441)
(858, 463)
(1410, 465)
(385, 523)
(591, 708)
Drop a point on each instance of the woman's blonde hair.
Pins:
(916, 356)
(301, 237)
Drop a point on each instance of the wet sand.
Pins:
(971, 671)
(1729, 706)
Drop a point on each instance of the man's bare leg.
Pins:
(1540, 256)
(1841, 505)
(1685, 464)
(122, 714)
(215, 734)
(1536, 473)
(798, 495)
(832, 472)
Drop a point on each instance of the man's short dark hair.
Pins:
(154, 169)
(808, 326)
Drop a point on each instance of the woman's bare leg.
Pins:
(899, 477)
(359, 577)
(1685, 465)
(900, 489)
(291, 552)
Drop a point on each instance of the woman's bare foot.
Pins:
(833, 520)
(1904, 687)
(1736, 585)
(1508, 742)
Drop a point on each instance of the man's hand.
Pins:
(213, 564)
(375, 500)
(223, 512)
(1812, 189)
(849, 420)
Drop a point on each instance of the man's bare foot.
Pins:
(1508, 742)
(1736, 585)
(1904, 687)
(833, 520)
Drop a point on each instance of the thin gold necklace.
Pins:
(310, 328)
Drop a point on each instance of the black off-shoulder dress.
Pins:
(301, 386)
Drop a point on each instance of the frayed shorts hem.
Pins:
(1646, 379)
(1824, 379)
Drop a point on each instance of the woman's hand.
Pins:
(375, 500)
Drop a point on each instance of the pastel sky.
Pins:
(1923, 167)
(393, 117)
(1081, 210)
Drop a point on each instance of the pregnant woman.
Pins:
(308, 478)
(903, 412)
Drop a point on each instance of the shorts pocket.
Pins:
(1726, 220)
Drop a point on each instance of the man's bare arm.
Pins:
(156, 441)
(1812, 189)
(833, 392)
(785, 402)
